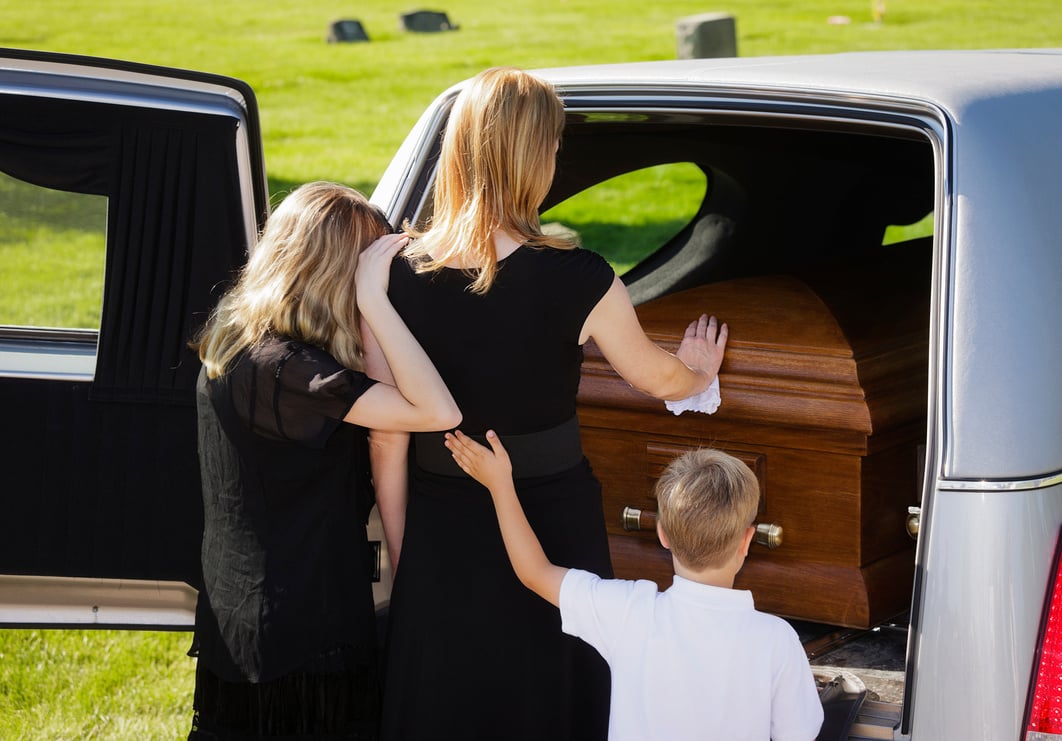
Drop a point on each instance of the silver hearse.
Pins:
(882, 231)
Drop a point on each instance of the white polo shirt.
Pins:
(694, 662)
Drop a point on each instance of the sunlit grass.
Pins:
(51, 256)
(625, 217)
(59, 279)
(904, 232)
(339, 111)
(103, 684)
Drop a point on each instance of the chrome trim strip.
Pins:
(48, 334)
(1036, 736)
(987, 485)
(396, 185)
(812, 117)
(48, 354)
(70, 81)
(737, 99)
(940, 133)
(69, 601)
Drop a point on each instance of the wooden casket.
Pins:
(824, 388)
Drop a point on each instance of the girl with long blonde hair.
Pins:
(285, 623)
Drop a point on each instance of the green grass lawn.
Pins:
(103, 684)
(52, 251)
(339, 112)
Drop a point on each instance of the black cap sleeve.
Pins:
(295, 392)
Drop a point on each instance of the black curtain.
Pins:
(102, 478)
(174, 234)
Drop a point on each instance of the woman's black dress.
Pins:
(472, 653)
(285, 624)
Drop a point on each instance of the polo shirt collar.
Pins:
(709, 596)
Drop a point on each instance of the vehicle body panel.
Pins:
(995, 443)
(986, 563)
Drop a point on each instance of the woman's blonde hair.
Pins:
(299, 279)
(705, 500)
(495, 169)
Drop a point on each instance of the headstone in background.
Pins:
(706, 35)
(346, 30)
(427, 21)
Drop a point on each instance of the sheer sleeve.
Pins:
(291, 391)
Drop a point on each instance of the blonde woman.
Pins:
(285, 624)
(503, 311)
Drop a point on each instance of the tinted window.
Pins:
(628, 217)
(905, 232)
(52, 247)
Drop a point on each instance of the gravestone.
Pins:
(706, 35)
(346, 30)
(427, 21)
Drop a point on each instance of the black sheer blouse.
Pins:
(286, 494)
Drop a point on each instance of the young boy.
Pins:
(696, 661)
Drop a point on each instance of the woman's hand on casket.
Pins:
(613, 324)
(703, 346)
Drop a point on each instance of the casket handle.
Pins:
(767, 534)
(914, 521)
(638, 519)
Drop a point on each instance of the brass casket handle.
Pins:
(914, 521)
(638, 519)
(767, 534)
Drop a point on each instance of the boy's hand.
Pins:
(490, 467)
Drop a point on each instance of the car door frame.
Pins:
(104, 510)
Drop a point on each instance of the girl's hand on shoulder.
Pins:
(374, 265)
(703, 346)
(489, 466)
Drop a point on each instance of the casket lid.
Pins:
(844, 348)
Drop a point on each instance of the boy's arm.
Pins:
(493, 469)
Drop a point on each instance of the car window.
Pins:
(628, 217)
(52, 247)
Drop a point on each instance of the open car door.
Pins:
(101, 513)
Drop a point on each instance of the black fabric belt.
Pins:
(532, 454)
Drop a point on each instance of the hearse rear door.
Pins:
(101, 514)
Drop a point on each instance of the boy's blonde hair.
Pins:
(705, 501)
(495, 170)
(299, 279)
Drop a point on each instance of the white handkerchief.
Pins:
(707, 401)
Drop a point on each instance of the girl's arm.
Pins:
(493, 469)
(389, 456)
(418, 400)
(614, 326)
